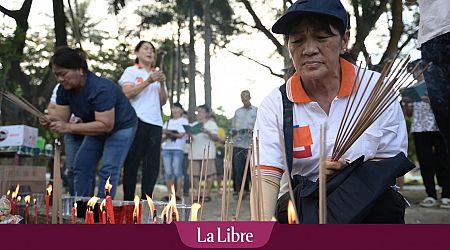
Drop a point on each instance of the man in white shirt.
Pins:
(242, 130)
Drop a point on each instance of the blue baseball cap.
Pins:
(333, 8)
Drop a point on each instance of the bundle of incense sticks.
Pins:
(205, 180)
(256, 182)
(226, 191)
(359, 114)
(24, 104)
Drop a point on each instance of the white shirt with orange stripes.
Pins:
(386, 137)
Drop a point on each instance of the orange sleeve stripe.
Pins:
(270, 168)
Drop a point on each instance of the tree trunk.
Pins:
(191, 73)
(395, 32)
(288, 66)
(367, 14)
(179, 69)
(60, 23)
(208, 38)
(173, 69)
(14, 76)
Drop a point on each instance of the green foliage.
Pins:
(221, 120)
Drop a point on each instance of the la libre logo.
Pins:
(221, 235)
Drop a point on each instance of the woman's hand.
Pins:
(331, 167)
(60, 127)
(156, 76)
(45, 122)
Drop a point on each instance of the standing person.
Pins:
(430, 147)
(72, 142)
(242, 130)
(434, 43)
(316, 36)
(145, 88)
(109, 121)
(172, 150)
(200, 141)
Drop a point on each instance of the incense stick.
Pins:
(241, 191)
(253, 188)
(201, 174)
(230, 165)
(206, 181)
(259, 177)
(283, 152)
(322, 177)
(192, 172)
(57, 206)
(24, 104)
(224, 181)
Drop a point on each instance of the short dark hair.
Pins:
(138, 47)
(178, 105)
(205, 108)
(69, 58)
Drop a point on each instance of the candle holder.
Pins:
(39, 198)
(82, 205)
(67, 204)
(184, 212)
(119, 212)
(128, 209)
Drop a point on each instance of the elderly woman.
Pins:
(108, 120)
(316, 37)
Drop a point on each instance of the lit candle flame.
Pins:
(194, 210)
(27, 199)
(17, 189)
(19, 199)
(92, 201)
(7, 193)
(108, 185)
(173, 205)
(103, 205)
(165, 214)
(49, 189)
(34, 201)
(13, 195)
(136, 207)
(150, 204)
(291, 213)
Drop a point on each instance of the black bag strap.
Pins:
(288, 125)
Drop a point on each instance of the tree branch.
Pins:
(261, 27)
(395, 32)
(7, 12)
(253, 60)
(410, 37)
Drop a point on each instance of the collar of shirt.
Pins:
(297, 94)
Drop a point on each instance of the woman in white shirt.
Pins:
(172, 149)
(144, 86)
